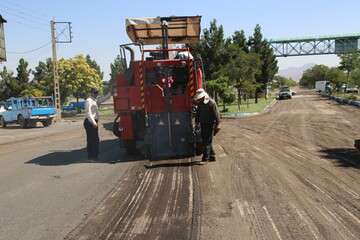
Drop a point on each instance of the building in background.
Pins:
(2, 40)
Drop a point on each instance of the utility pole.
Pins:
(55, 72)
(54, 41)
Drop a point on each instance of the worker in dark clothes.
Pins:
(208, 117)
(91, 125)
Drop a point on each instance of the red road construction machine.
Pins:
(153, 97)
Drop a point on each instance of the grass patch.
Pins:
(350, 96)
(250, 107)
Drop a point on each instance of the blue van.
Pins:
(28, 111)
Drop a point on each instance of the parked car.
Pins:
(73, 106)
(284, 93)
(351, 89)
(28, 111)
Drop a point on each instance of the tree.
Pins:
(241, 70)
(348, 62)
(323, 73)
(212, 49)
(8, 84)
(92, 63)
(117, 67)
(268, 62)
(279, 81)
(240, 40)
(336, 77)
(23, 73)
(316, 73)
(44, 77)
(355, 77)
(77, 77)
(221, 85)
(32, 91)
(13, 86)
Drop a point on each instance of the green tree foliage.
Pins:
(222, 87)
(92, 63)
(8, 84)
(316, 73)
(212, 49)
(77, 77)
(43, 77)
(23, 73)
(349, 62)
(322, 73)
(117, 67)
(337, 77)
(279, 81)
(241, 70)
(268, 62)
(239, 39)
(12, 86)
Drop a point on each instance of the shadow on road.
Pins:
(110, 152)
(343, 157)
(108, 126)
(12, 127)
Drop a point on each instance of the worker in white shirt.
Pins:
(91, 125)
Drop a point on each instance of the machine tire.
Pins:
(47, 123)
(22, 122)
(130, 147)
(2, 122)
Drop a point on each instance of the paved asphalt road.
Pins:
(47, 187)
(291, 173)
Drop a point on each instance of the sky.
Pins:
(99, 26)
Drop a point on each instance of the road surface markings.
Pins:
(142, 223)
(191, 191)
(272, 222)
(350, 191)
(319, 189)
(240, 208)
(133, 204)
(351, 215)
(222, 150)
(340, 222)
(211, 178)
(306, 221)
(109, 235)
(298, 155)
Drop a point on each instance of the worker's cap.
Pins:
(200, 93)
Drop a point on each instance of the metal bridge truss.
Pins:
(316, 46)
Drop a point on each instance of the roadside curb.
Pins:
(343, 101)
(245, 114)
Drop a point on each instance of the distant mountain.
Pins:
(295, 72)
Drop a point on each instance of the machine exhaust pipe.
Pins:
(132, 53)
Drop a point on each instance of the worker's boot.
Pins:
(212, 159)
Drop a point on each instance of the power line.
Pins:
(38, 48)
(20, 12)
(28, 25)
(32, 50)
(20, 7)
(24, 18)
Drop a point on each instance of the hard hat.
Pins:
(200, 93)
(184, 55)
